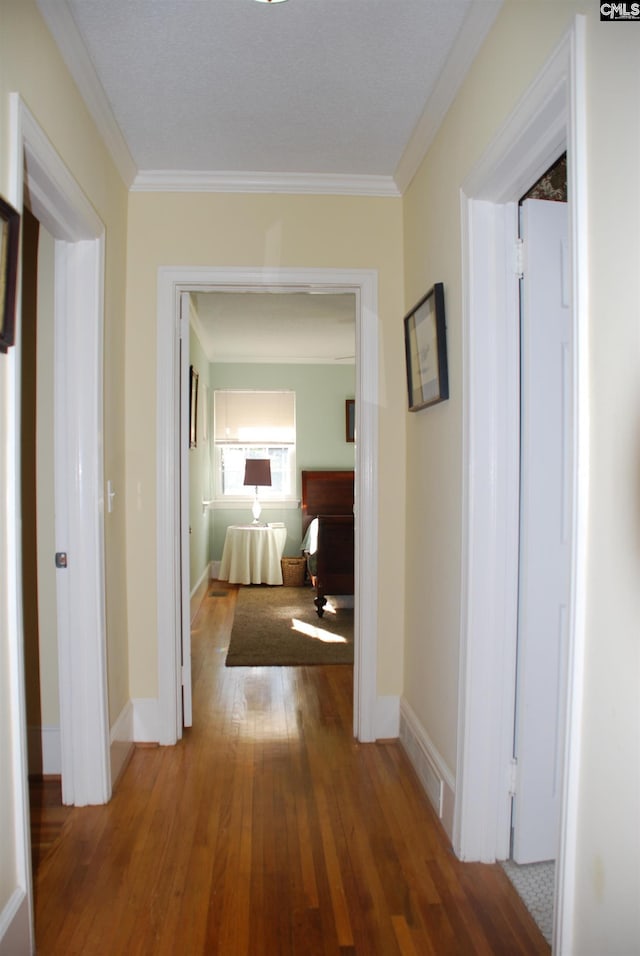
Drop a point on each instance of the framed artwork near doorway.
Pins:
(425, 340)
(9, 233)
(193, 407)
(350, 419)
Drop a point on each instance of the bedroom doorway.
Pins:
(172, 282)
(258, 369)
(275, 371)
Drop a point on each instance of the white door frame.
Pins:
(550, 117)
(364, 284)
(60, 205)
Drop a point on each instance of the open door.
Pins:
(545, 530)
(184, 671)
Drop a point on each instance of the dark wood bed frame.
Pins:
(328, 496)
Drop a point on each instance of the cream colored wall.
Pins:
(609, 819)
(433, 253)
(32, 66)
(606, 914)
(260, 230)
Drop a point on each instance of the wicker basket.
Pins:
(293, 572)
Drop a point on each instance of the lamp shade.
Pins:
(257, 471)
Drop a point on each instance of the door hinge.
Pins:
(61, 559)
(519, 258)
(512, 782)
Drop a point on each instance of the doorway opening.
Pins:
(271, 371)
(38, 538)
(42, 181)
(546, 349)
(549, 119)
(172, 283)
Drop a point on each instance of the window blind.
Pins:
(242, 416)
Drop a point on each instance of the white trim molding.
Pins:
(44, 742)
(435, 776)
(121, 741)
(309, 184)
(172, 281)
(15, 929)
(60, 205)
(205, 576)
(387, 713)
(475, 28)
(549, 118)
(145, 720)
(59, 19)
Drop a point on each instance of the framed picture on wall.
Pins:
(9, 234)
(425, 341)
(193, 407)
(350, 416)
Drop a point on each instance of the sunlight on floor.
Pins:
(309, 630)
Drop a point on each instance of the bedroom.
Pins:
(300, 345)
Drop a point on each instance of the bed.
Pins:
(327, 528)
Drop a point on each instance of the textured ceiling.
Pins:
(277, 327)
(307, 86)
(303, 96)
(334, 87)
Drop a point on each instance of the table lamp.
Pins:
(257, 471)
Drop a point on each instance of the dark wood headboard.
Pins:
(326, 493)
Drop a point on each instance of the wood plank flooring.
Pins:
(48, 815)
(269, 831)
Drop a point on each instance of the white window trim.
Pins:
(233, 504)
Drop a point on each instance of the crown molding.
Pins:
(59, 20)
(480, 19)
(328, 184)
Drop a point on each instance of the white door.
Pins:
(545, 530)
(184, 668)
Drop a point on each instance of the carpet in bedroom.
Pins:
(275, 626)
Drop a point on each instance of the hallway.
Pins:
(268, 831)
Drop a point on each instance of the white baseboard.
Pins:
(433, 773)
(199, 592)
(215, 569)
(122, 729)
(205, 576)
(45, 754)
(15, 926)
(121, 741)
(387, 718)
(146, 720)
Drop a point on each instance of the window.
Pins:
(254, 424)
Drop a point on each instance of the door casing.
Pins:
(549, 119)
(172, 282)
(58, 202)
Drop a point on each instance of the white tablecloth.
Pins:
(252, 554)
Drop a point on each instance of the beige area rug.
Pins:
(276, 626)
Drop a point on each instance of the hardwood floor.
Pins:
(268, 831)
(47, 814)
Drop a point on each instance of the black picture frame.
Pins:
(9, 250)
(350, 419)
(193, 407)
(425, 342)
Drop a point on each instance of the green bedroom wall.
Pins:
(321, 392)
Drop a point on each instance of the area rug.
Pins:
(275, 626)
